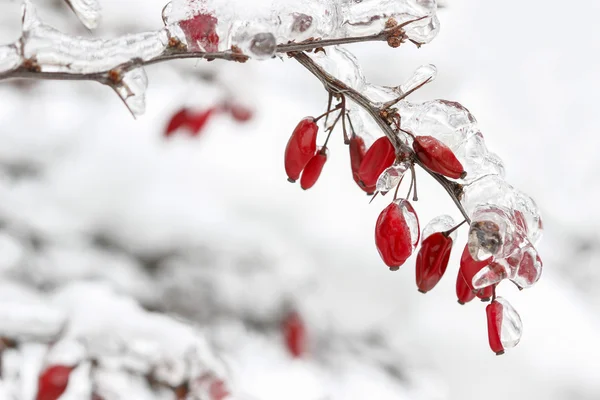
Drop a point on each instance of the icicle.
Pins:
(88, 11)
(132, 90)
(391, 177)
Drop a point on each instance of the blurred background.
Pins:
(104, 222)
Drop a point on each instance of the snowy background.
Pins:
(103, 221)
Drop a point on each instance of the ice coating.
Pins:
(529, 269)
(423, 74)
(440, 223)
(493, 233)
(364, 17)
(511, 327)
(10, 58)
(391, 177)
(88, 11)
(447, 121)
(54, 51)
(282, 22)
(412, 221)
(132, 90)
(495, 191)
(489, 275)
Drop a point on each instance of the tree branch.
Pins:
(335, 86)
(393, 34)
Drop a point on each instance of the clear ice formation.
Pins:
(511, 327)
(391, 177)
(88, 12)
(298, 20)
(54, 51)
(132, 90)
(440, 223)
(10, 58)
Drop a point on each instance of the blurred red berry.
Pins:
(300, 148)
(294, 334)
(240, 113)
(313, 169)
(218, 390)
(432, 260)
(438, 157)
(197, 121)
(53, 382)
(178, 120)
(380, 156)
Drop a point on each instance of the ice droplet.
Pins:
(88, 11)
(423, 74)
(485, 240)
(511, 327)
(263, 45)
(529, 269)
(440, 223)
(10, 58)
(412, 220)
(132, 90)
(489, 275)
(493, 232)
(447, 121)
(493, 190)
(391, 177)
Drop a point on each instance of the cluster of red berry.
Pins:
(397, 231)
(194, 121)
(54, 380)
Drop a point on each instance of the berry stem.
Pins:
(404, 95)
(328, 112)
(449, 232)
(414, 175)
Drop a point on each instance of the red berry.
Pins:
(486, 293)
(200, 32)
(178, 120)
(463, 291)
(313, 169)
(438, 157)
(240, 113)
(380, 156)
(393, 233)
(470, 267)
(357, 153)
(218, 390)
(300, 148)
(494, 323)
(197, 121)
(294, 334)
(432, 260)
(53, 382)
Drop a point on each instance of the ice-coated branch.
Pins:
(381, 117)
(42, 52)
